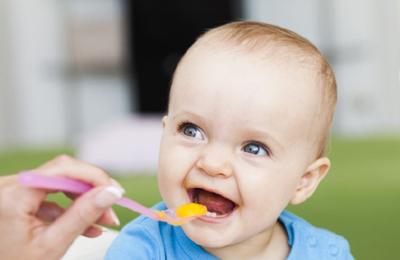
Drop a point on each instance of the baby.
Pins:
(251, 106)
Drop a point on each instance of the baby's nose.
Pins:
(216, 160)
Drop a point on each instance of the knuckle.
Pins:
(100, 173)
(63, 158)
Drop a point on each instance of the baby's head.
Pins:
(247, 127)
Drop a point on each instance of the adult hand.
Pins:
(32, 228)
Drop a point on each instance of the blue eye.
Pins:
(191, 130)
(256, 149)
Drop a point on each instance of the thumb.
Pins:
(84, 212)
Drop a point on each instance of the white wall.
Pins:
(3, 75)
(34, 59)
(368, 41)
(100, 100)
(363, 36)
(35, 101)
(300, 16)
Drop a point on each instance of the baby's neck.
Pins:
(271, 244)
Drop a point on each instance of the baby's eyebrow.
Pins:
(187, 113)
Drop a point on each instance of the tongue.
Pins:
(214, 202)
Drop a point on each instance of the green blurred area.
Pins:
(358, 199)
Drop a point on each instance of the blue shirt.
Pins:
(145, 238)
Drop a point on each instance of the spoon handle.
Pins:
(58, 183)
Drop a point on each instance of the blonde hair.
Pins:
(274, 40)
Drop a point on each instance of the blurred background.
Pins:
(90, 78)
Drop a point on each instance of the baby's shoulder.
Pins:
(311, 241)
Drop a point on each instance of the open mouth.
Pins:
(216, 204)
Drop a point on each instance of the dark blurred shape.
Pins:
(159, 32)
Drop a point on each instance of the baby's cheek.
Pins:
(173, 162)
(267, 198)
(174, 165)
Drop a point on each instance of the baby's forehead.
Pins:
(213, 62)
(244, 81)
(283, 55)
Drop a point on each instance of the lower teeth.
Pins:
(211, 214)
(195, 199)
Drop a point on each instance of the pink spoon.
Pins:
(58, 183)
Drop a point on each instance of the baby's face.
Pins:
(237, 138)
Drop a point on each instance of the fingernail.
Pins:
(114, 218)
(107, 197)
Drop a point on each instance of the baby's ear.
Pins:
(164, 121)
(310, 180)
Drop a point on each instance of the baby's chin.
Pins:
(208, 237)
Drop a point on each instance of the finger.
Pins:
(49, 211)
(93, 231)
(85, 211)
(7, 180)
(109, 218)
(59, 159)
(19, 200)
(56, 160)
(80, 171)
(69, 167)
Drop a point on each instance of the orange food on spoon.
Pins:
(191, 210)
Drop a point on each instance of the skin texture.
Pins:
(32, 228)
(234, 101)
